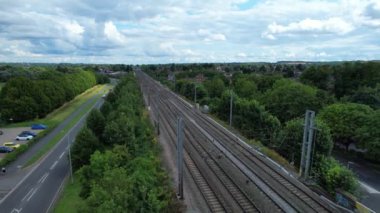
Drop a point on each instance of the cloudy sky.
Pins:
(181, 31)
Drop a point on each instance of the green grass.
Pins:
(1, 86)
(60, 135)
(70, 201)
(52, 120)
(58, 115)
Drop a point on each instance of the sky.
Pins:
(187, 31)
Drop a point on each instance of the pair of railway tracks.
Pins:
(231, 175)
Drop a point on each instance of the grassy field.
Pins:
(69, 201)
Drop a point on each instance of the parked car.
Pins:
(29, 133)
(38, 126)
(1, 132)
(5, 149)
(24, 137)
(11, 145)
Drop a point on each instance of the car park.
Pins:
(38, 126)
(24, 137)
(5, 149)
(12, 145)
(29, 133)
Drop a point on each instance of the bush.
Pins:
(332, 176)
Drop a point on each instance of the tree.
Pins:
(369, 137)
(367, 95)
(85, 144)
(331, 175)
(215, 87)
(320, 77)
(245, 88)
(345, 119)
(291, 139)
(289, 99)
(96, 122)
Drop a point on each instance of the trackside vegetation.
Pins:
(270, 100)
(116, 159)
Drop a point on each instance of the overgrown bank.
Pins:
(116, 159)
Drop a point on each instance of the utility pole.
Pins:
(307, 143)
(195, 93)
(71, 165)
(180, 156)
(158, 113)
(231, 100)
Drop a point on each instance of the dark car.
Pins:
(29, 133)
(39, 126)
(5, 149)
(1, 132)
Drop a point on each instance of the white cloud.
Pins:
(113, 34)
(208, 36)
(139, 31)
(332, 25)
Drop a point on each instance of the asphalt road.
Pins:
(38, 189)
(368, 180)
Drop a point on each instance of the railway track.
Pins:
(234, 168)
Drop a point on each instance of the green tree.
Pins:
(345, 119)
(289, 99)
(245, 88)
(332, 176)
(215, 87)
(369, 137)
(96, 122)
(85, 144)
(290, 142)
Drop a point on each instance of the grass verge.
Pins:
(1, 86)
(58, 115)
(52, 120)
(69, 201)
(60, 135)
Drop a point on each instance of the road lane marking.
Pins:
(57, 193)
(368, 188)
(61, 155)
(16, 210)
(30, 191)
(54, 164)
(43, 178)
(45, 156)
(34, 191)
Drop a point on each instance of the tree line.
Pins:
(24, 98)
(116, 157)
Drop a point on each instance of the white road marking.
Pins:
(43, 178)
(27, 194)
(61, 155)
(34, 191)
(44, 157)
(16, 210)
(56, 194)
(368, 188)
(54, 164)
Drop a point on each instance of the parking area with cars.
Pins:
(14, 137)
